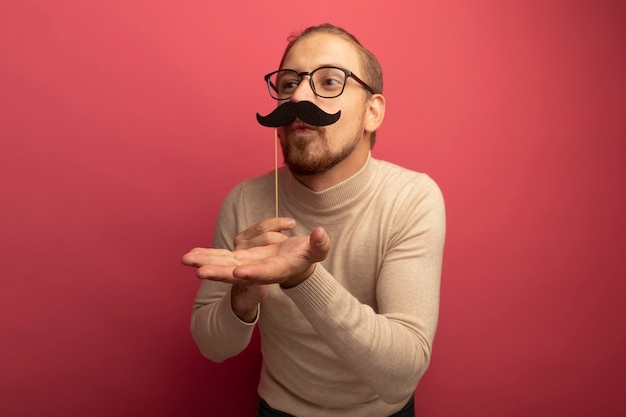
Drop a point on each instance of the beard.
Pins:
(306, 155)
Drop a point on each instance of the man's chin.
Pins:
(309, 167)
(301, 170)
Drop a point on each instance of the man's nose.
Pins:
(303, 92)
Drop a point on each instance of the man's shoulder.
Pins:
(252, 197)
(260, 182)
(390, 173)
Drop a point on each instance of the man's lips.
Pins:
(299, 126)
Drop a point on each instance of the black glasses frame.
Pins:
(348, 73)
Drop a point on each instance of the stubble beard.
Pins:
(306, 155)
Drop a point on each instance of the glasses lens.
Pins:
(328, 82)
(283, 83)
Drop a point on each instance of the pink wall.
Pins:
(124, 123)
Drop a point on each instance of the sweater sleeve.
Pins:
(389, 348)
(217, 331)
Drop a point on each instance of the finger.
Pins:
(268, 238)
(222, 274)
(266, 271)
(274, 224)
(190, 257)
(201, 256)
(265, 232)
(319, 244)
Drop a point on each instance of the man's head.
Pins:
(312, 150)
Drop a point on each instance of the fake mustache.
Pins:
(306, 111)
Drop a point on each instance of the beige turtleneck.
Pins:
(356, 336)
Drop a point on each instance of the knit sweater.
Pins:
(356, 336)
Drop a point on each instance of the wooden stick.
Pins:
(276, 169)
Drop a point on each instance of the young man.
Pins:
(345, 284)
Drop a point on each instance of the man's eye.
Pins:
(287, 85)
(330, 82)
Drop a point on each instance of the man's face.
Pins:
(310, 150)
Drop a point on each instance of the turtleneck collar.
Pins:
(300, 199)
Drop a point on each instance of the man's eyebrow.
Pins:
(318, 66)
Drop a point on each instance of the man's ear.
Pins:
(375, 113)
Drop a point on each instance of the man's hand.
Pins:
(264, 233)
(287, 262)
(259, 250)
(245, 298)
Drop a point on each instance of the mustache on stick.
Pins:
(306, 111)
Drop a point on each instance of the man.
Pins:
(345, 284)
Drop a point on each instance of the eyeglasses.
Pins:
(326, 82)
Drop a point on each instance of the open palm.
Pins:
(289, 260)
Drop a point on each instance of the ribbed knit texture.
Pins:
(355, 337)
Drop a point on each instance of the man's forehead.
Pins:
(321, 49)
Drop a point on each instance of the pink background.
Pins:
(123, 123)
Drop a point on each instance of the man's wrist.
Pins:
(243, 310)
(247, 315)
(298, 279)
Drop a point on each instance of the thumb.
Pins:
(319, 244)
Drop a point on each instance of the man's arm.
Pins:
(223, 316)
(217, 329)
(390, 347)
